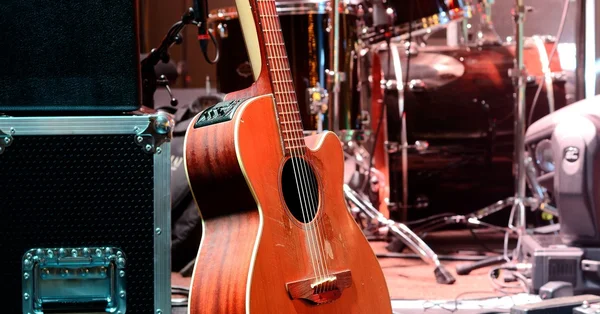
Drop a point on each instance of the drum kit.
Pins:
(399, 80)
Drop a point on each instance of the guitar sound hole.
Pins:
(300, 189)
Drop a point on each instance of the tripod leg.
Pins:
(409, 238)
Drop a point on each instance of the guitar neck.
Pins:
(280, 76)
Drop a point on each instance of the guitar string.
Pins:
(296, 145)
(307, 182)
(320, 221)
(291, 99)
(312, 191)
(279, 80)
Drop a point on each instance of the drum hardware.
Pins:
(341, 76)
(519, 201)
(394, 147)
(337, 76)
(486, 35)
(519, 204)
(318, 99)
(414, 85)
(223, 31)
(365, 119)
(435, 114)
(413, 18)
(407, 236)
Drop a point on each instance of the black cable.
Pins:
(555, 46)
(201, 7)
(460, 258)
(478, 240)
(423, 220)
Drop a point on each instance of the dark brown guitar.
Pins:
(277, 235)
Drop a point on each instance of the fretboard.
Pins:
(288, 116)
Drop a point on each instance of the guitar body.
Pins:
(277, 234)
(252, 246)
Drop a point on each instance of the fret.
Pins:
(286, 103)
(292, 131)
(284, 93)
(294, 147)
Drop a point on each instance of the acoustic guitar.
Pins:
(277, 234)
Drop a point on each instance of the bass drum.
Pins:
(458, 128)
(305, 27)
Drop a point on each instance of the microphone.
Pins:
(200, 15)
(200, 12)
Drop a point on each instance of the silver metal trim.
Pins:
(79, 264)
(28, 126)
(73, 125)
(162, 229)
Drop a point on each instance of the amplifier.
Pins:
(85, 214)
(69, 56)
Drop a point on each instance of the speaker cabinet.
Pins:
(69, 56)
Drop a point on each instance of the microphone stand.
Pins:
(149, 80)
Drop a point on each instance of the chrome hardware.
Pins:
(365, 118)
(223, 31)
(158, 132)
(394, 147)
(331, 74)
(318, 98)
(5, 140)
(68, 277)
(417, 85)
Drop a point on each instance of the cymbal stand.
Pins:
(539, 200)
(335, 117)
(519, 74)
(519, 201)
(404, 233)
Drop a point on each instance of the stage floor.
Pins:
(412, 283)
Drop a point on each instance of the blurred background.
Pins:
(156, 16)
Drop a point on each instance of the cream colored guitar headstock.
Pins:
(250, 32)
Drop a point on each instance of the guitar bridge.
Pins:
(321, 291)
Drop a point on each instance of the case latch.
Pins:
(6, 140)
(158, 132)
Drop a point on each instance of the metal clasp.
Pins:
(159, 131)
(6, 140)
